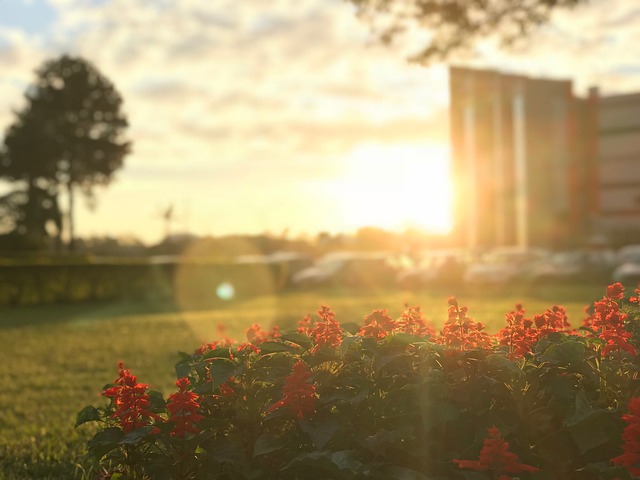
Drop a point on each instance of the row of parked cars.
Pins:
(460, 266)
(508, 265)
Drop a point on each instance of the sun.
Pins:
(397, 186)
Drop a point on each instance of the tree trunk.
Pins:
(72, 245)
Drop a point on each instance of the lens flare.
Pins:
(225, 291)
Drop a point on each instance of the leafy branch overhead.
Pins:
(453, 26)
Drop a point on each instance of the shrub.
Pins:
(390, 399)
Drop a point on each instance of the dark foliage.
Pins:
(452, 26)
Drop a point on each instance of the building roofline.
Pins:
(622, 98)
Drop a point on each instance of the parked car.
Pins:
(351, 269)
(283, 265)
(628, 254)
(581, 265)
(437, 266)
(627, 270)
(505, 264)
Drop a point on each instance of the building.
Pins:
(525, 160)
(619, 167)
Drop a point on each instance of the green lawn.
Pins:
(55, 359)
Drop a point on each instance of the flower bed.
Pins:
(391, 398)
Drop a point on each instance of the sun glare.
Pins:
(398, 186)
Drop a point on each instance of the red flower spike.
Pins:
(608, 322)
(412, 322)
(615, 291)
(256, 335)
(495, 456)
(377, 325)
(299, 395)
(131, 401)
(637, 298)
(327, 331)
(461, 332)
(183, 409)
(304, 325)
(630, 458)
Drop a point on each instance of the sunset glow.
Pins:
(397, 187)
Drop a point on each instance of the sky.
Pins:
(283, 116)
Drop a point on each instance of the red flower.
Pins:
(248, 346)
(608, 322)
(131, 401)
(630, 458)
(412, 322)
(304, 325)
(299, 395)
(327, 331)
(519, 334)
(495, 455)
(225, 341)
(256, 335)
(462, 332)
(522, 333)
(183, 409)
(615, 291)
(377, 325)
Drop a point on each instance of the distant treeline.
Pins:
(191, 284)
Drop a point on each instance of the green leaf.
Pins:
(380, 440)
(276, 347)
(88, 414)
(220, 352)
(183, 369)
(384, 360)
(583, 410)
(135, 436)
(341, 464)
(350, 327)
(404, 339)
(158, 404)
(297, 338)
(267, 443)
(274, 361)
(227, 450)
(438, 414)
(604, 468)
(472, 475)
(221, 370)
(347, 342)
(185, 357)
(104, 441)
(320, 431)
(498, 362)
(569, 353)
(589, 427)
(401, 473)
(591, 433)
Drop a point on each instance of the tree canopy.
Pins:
(452, 26)
(70, 132)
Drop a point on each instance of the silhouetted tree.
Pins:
(70, 133)
(29, 217)
(454, 25)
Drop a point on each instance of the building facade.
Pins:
(524, 158)
(619, 167)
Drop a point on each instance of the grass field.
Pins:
(55, 359)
